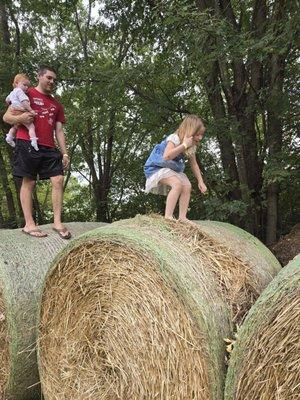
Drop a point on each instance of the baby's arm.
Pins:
(198, 175)
(26, 106)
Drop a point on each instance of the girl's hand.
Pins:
(202, 187)
(188, 141)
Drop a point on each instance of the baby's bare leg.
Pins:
(33, 138)
(11, 135)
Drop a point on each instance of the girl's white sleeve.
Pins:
(174, 138)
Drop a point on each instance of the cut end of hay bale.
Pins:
(21, 277)
(265, 363)
(111, 328)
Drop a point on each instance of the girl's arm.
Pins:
(198, 175)
(172, 151)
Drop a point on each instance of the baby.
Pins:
(19, 102)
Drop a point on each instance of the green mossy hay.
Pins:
(24, 262)
(265, 362)
(4, 351)
(128, 314)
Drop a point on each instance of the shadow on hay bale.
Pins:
(265, 362)
(128, 314)
(24, 262)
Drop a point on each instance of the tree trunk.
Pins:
(274, 136)
(102, 208)
(274, 129)
(38, 213)
(4, 24)
(17, 183)
(8, 193)
(225, 142)
(272, 213)
(248, 168)
(1, 218)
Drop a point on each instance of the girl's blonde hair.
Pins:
(190, 125)
(18, 78)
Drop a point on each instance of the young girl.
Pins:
(19, 102)
(165, 165)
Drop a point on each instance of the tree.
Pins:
(238, 51)
(129, 71)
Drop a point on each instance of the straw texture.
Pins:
(245, 245)
(240, 264)
(265, 363)
(128, 314)
(24, 262)
(4, 352)
(244, 266)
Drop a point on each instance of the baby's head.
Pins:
(21, 81)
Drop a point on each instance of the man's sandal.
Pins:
(61, 231)
(32, 233)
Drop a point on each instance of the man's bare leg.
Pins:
(26, 191)
(57, 201)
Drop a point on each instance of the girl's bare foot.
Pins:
(170, 217)
(187, 220)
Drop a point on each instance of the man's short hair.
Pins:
(43, 68)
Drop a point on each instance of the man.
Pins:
(48, 162)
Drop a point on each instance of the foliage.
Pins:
(129, 71)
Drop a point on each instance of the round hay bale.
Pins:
(240, 264)
(248, 266)
(4, 352)
(265, 362)
(248, 246)
(24, 262)
(288, 246)
(127, 313)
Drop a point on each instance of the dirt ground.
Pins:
(288, 246)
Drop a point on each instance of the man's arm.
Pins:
(22, 119)
(60, 136)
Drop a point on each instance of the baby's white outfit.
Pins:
(16, 97)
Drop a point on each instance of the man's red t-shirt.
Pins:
(49, 111)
